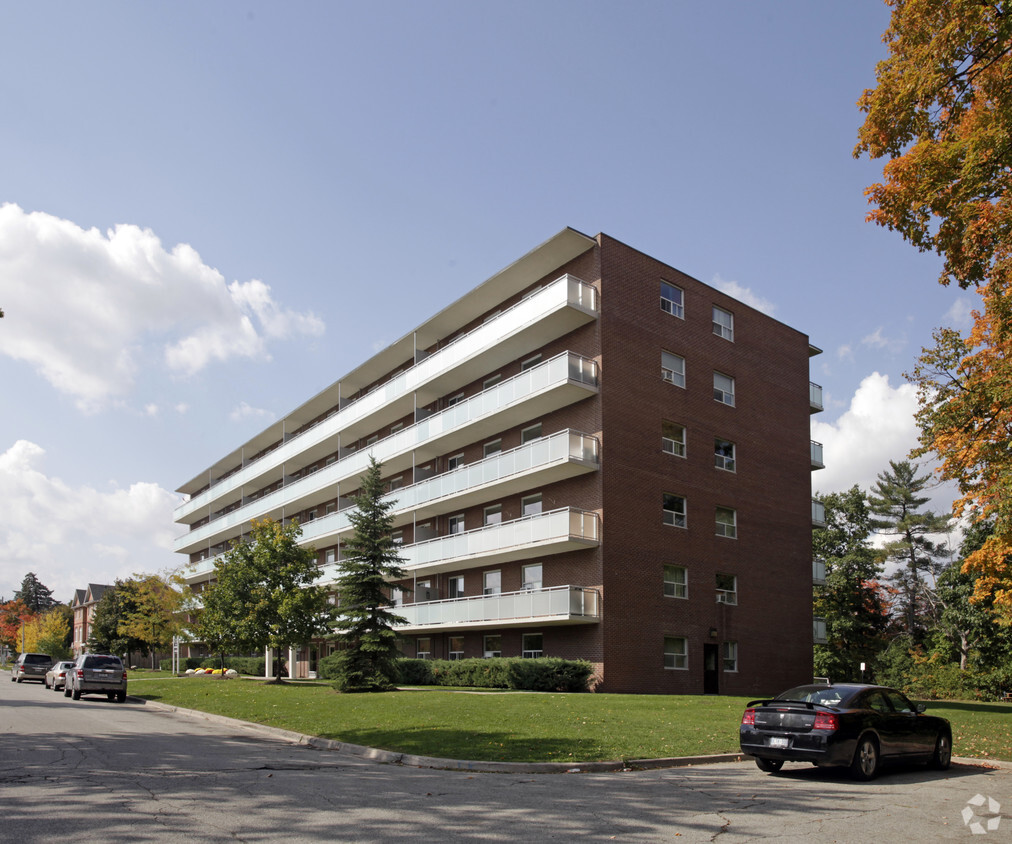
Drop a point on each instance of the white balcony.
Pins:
(557, 382)
(556, 605)
(817, 456)
(553, 311)
(555, 532)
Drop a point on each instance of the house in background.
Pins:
(592, 455)
(83, 605)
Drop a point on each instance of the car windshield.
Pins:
(813, 694)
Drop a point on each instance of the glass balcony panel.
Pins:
(814, 397)
(818, 572)
(558, 603)
(818, 513)
(817, 456)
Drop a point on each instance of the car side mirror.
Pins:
(920, 708)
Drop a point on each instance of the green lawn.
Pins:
(518, 727)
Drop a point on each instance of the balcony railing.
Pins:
(447, 426)
(552, 605)
(819, 631)
(817, 456)
(818, 514)
(554, 532)
(819, 572)
(814, 397)
(567, 292)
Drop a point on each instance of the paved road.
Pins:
(93, 770)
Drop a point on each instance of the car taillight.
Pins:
(825, 721)
(748, 718)
(124, 676)
(80, 672)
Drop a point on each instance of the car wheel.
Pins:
(942, 756)
(770, 766)
(19, 681)
(66, 691)
(865, 764)
(76, 695)
(120, 697)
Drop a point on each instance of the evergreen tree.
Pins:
(34, 594)
(851, 600)
(367, 662)
(896, 500)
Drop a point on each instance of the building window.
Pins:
(492, 380)
(396, 483)
(373, 439)
(491, 582)
(532, 645)
(727, 589)
(456, 523)
(723, 454)
(723, 388)
(396, 427)
(727, 522)
(531, 504)
(730, 656)
(672, 438)
(455, 586)
(531, 362)
(492, 646)
(723, 323)
(330, 555)
(423, 648)
(493, 514)
(674, 510)
(532, 576)
(456, 647)
(672, 300)
(311, 516)
(673, 369)
(490, 448)
(452, 400)
(676, 582)
(397, 537)
(676, 652)
(532, 432)
(331, 508)
(454, 462)
(397, 596)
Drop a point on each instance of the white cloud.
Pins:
(90, 310)
(845, 352)
(743, 294)
(960, 314)
(878, 340)
(72, 536)
(878, 427)
(246, 411)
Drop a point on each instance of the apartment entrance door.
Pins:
(710, 663)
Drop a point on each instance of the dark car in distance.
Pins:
(30, 667)
(847, 724)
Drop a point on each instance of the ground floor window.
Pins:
(533, 645)
(730, 656)
(456, 647)
(492, 646)
(423, 648)
(676, 652)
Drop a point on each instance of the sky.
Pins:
(211, 211)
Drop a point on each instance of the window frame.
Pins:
(729, 657)
(719, 328)
(725, 529)
(456, 520)
(530, 500)
(676, 586)
(678, 447)
(530, 433)
(677, 519)
(727, 588)
(723, 461)
(532, 653)
(489, 515)
(670, 375)
(531, 362)
(719, 393)
(676, 656)
(491, 639)
(526, 583)
(497, 586)
(673, 308)
(419, 652)
(491, 447)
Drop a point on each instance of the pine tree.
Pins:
(34, 594)
(370, 561)
(896, 499)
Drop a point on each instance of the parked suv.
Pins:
(97, 674)
(31, 667)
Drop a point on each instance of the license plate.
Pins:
(776, 741)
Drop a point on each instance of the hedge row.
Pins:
(547, 674)
(251, 665)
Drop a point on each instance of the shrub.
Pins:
(547, 674)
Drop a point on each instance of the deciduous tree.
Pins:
(851, 601)
(941, 116)
(265, 592)
(150, 613)
(369, 563)
(12, 615)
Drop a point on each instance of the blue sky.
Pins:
(209, 212)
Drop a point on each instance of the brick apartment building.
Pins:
(84, 604)
(592, 454)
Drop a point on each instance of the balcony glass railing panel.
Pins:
(819, 571)
(818, 513)
(569, 602)
(554, 372)
(565, 291)
(556, 525)
(817, 455)
(814, 395)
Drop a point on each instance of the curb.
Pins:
(390, 757)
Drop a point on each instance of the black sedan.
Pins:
(846, 724)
